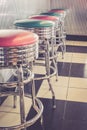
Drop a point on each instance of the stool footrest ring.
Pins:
(30, 121)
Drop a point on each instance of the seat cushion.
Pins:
(14, 37)
(52, 14)
(44, 17)
(33, 23)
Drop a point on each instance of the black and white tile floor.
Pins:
(70, 91)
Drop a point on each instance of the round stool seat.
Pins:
(44, 17)
(52, 14)
(10, 38)
(54, 19)
(58, 11)
(17, 47)
(33, 23)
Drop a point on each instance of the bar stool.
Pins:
(60, 11)
(54, 19)
(45, 31)
(60, 34)
(56, 28)
(17, 50)
(63, 12)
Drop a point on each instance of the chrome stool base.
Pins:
(36, 103)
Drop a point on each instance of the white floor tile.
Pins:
(78, 83)
(76, 43)
(79, 58)
(67, 57)
(11, 116)
(75, 94)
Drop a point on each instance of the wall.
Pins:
(18, 9)
(77, 17)
(76, 21)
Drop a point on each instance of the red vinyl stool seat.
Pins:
(44, 17)
(17, 52)
(10, 38)
(14, 41)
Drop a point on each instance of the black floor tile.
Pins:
(72, 69)
(76, 49)
(74, 125)
(76, 38)
(54, 125)
(37, 85)
(71, 117)
(76, 111)
(78, 70)
(36, 126)
(49, 112)
(52, 118)
(63, 68)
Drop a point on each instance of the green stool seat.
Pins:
(33, 23)
(52, 14)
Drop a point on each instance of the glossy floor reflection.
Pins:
(70, 91)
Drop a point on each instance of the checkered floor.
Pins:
(70, 91)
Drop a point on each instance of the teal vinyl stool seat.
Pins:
(52, 14)
(26, 23)
(46, 33)
(17, 51)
